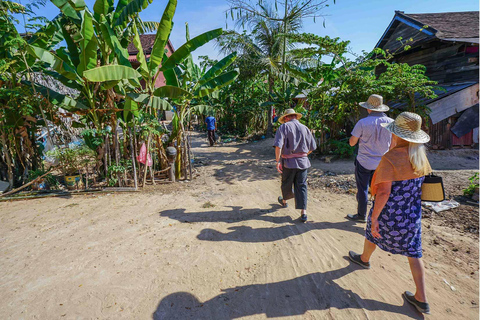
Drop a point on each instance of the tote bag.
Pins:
(432, 189)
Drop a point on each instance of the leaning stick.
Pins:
(27, 184)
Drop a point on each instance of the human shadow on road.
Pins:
(294, 297)
(236, 214)
(269, 234)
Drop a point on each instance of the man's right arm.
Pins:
(356, 134)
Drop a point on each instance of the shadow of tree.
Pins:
(249, 234)
(294, 297)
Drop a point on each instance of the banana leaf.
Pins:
(88, 45)
(111, 73)
(130, 109)
(182, 53)
(56, 98)
(218, 68)
(131, 9)
(67, 82)
(70, 8)
(54, 61)
(151, 101)
(113, 42)
(217, 83)
(48, 35)
(103, 7)
(143, 68)
(162, 36)
(172, 92)
(72, 47)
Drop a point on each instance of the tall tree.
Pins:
(269, 29)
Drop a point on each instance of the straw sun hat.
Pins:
(375, 103)
(289, 112)
(408, 127)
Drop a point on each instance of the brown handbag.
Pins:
(432, 189)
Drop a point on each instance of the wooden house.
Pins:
(447, 45)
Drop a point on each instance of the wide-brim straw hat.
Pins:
(375, 103)
(289, 112)
(408, 127)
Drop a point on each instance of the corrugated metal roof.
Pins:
(449, 89)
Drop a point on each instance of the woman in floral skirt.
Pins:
(394, 223)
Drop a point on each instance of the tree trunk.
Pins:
(9, 162)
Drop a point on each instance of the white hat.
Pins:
(408, 127)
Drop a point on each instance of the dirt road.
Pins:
(219, 247)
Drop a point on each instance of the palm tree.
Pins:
(267, 45)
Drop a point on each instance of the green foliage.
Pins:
(470, 190)
(49, 178)
(71, 160)
(341, 148)
(115, 170)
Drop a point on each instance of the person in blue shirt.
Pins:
(211, 123)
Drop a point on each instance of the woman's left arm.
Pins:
(381, 198)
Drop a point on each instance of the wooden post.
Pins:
(132, 152)
(117, 155)
(107, 159)
(189, 150)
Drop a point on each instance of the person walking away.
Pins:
(373, 142)
(211, 123)
(394, 223)
(293, 143)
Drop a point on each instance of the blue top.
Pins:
(210, 121)
(374, 140)
(294, 137)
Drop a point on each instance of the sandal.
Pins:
(303, 218)
(423, 307)
(280, 200)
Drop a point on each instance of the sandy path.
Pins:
(216, 248)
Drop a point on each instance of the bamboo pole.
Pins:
(117, 155)
(133, 159)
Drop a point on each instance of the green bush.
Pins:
(473, 184)
(340, 148)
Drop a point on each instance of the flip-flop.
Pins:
(422, 307)
(280, 200)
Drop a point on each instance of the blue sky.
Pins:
(360, 21)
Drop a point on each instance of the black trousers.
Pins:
(211, 137)
(363, 177)
(296, 178)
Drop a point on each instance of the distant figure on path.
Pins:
(395, 221)
(373, 142)
(293, 143)
(211, 123)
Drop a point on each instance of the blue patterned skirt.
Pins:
(400, 221)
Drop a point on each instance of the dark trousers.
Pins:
(297, 179)
(363, 177)
(211, 137)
